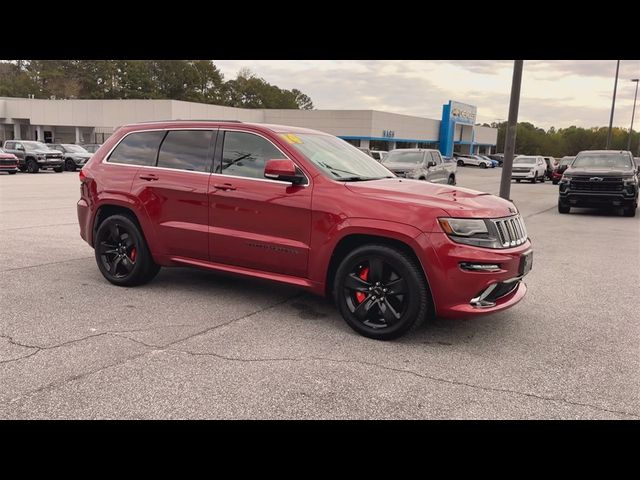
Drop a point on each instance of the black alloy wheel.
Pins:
(122, 253)
(381, 292)
(70, 165)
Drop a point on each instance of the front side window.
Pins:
(187, 150)
(139, 148)
(10, 145)
(35, 145)
(435, 158)
(245, 154)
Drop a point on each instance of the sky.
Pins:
(557, 93)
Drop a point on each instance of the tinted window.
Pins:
(139, 148)
(186, 150)
(245, 154)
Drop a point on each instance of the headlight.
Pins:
(40, 157)
(469, 231)
(565, 177)
(630, 180)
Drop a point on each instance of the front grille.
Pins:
(520, 170)
(604, 184)
(53, 155)
(511, 231)
(7, 161)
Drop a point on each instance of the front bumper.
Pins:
(50, 162)
(521, 175)
(9, 168)
(577, 198)
(456, 291)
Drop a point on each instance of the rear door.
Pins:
(173, 191)
(437, 174)
(256, 222)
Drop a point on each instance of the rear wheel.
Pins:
(563, 207)
(451, 180)
(483, 165)
(32, 166)
(381, 292)
(460, 163)
(122, 253)
(22, 168)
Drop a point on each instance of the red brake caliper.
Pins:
(133, 254)
(364, 275)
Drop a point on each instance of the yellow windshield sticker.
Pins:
(292, 138)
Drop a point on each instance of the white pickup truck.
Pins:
(421, 164)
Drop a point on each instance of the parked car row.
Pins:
(421, 164)
(33, 156)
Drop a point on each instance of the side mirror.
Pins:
(431, 164)
(283, 170)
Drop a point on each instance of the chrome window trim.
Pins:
(105, 159)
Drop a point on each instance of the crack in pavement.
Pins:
(39, 348)
(36, 226)
(540, 212)
(53, 385)
(410, 372)
(43, 264)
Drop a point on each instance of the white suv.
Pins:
(528, 167)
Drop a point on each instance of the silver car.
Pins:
(420, 164)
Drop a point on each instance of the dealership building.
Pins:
(93, 121)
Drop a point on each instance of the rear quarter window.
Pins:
(138, 148)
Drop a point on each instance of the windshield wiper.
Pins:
(359, 179)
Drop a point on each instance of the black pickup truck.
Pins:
(601, 179)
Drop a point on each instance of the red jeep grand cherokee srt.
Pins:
(303, 208)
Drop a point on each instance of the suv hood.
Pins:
(455, 201)
(40, 151)
(599, 172)
(8, 156)
(526, 165)
(80, 155)
(401, 166)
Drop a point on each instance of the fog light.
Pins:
(480, 267)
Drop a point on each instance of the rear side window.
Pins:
(187, 150)
(140, 148)
(245, 154)
(435, 158)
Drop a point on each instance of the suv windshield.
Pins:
(566, 160)
(35, 145)
(526, 160)
(336, 158)
(404, 157)
(602, 160)
(74, 148)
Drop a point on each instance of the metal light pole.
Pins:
(633, 113)
(613, 106)
(512, 123)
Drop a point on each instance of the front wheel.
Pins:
(555, 182)
(460, 163)
(381, 292)
(483, 165)
(563, 207)
(517, 180)
(451, 180)
(32, 166)
(13, 173)
(630, 211)
(70, 165)
(542, 179)
(122, 253)
(58, 169)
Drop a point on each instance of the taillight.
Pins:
(82, 175)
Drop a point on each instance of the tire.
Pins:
(422, 178)
(460, 163)
(630, 211)
(22, 168)
(563, 207)
(32, 166)
(13, 173)
(535, 178)
(451, 180)
(69, 165)
(555, 182)
(542, 179)
(483, 165)
(58, 169)
(362, 311)
(518, 180)
(135, 267)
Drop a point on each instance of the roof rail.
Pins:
(190, 120)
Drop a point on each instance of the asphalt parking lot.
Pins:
(194, 344)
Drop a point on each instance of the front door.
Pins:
(256, 222)
(174, 192)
